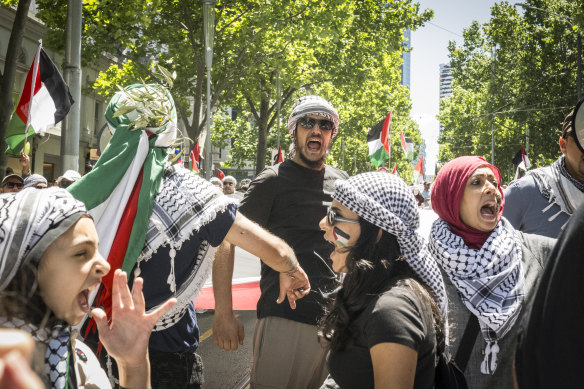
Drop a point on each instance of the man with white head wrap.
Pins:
(289, 199)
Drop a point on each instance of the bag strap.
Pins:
(466, 344)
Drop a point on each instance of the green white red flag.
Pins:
(45, 101)
(407, 145)
(378, 141)
(419, 170)
(194, 158)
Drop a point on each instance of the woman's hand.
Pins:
(126, 336)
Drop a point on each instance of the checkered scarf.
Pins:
(489, 280)
(185, 204)
(312, 105)
(385, 201)
(29, 222)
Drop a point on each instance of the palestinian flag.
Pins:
(394, 171)
(378, 141)
(280, 155)
(220, 174)
(419, 170)
(407, 145)
(521, 160)
(45, 100)
(194, 158)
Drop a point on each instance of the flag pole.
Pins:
(279, 106)
(32, 88)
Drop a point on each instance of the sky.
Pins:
(429, 50)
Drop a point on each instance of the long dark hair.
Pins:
(372, 268)
(22, 299)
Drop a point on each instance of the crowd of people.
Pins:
(98, 273)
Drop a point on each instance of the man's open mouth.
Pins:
(314, 144)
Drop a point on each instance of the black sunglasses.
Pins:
(309, 123)
(332, 218)
(19, 185)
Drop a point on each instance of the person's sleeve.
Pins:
(216, 230)
(257, 203)
(515, 201)
(395, 319)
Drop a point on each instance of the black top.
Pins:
(290, 200)
(400, 316)
(550, 342)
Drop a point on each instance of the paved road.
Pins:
(227, 369)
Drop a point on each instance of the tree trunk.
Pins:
(7, 81)
(262, 134)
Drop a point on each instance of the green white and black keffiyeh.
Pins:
(30, 221)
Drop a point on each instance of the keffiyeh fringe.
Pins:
(184, 205)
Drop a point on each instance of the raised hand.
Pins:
(126, 336)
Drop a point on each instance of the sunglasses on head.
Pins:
(332, 218)
(19, 185)
(309, 123)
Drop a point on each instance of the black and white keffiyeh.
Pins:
(185, 204)
(29, 222)
(489, 280)
(385, 201)
(312, 105)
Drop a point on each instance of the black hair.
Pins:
(372, 268)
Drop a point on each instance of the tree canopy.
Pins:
(514, 76)
(349, 51)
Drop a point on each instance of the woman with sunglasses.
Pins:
(384, 323)
(490, 268)
(49, 263)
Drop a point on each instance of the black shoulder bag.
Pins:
(449, 372)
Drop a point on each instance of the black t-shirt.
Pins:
(289, 200)
(399, 315)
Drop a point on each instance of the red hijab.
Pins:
(447, 194)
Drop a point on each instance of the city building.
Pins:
(445, 83)
(406, 57)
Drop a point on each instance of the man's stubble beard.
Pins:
(318, 164)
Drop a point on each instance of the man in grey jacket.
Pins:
(543, 201)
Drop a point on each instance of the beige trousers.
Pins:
(287, 355)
